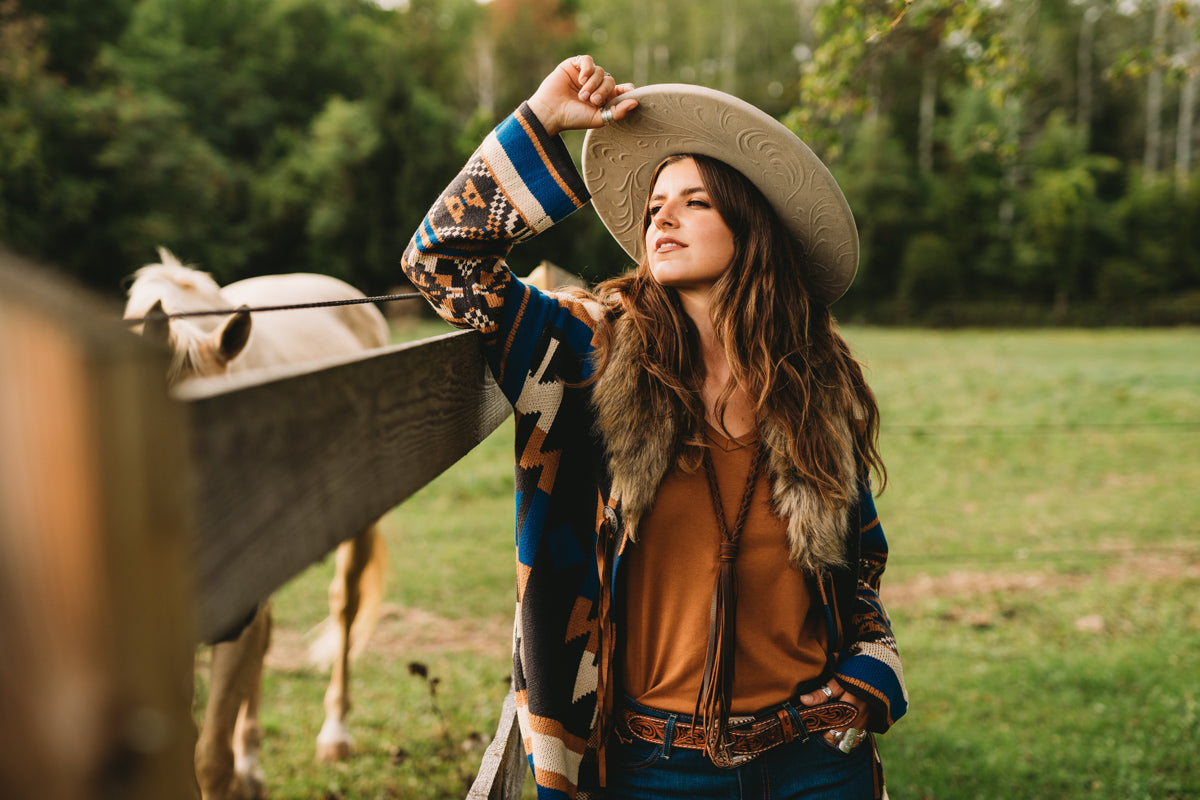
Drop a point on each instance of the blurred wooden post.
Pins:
(95, 635)
(549, 277)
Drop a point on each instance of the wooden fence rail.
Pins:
(133, 524)
(289, 462)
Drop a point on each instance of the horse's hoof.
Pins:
(334, 751)
(257, 791)
(334, 742)
(250, 780)
(248, 787)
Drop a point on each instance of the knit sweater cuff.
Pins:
(876, 682)
(536, 170)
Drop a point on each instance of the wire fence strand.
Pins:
(1025, 429)
(1025, 555)
(212, 312)
(915, 429)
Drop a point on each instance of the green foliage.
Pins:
(748, 49)
(837, 82)
(930, 273)
(1059, 209)
(525, 39)
(75, 31)
(1029, 172)
(279, 135)
(267, 136)
(1155, 220)
(314, 185)
(876, 178)
(169, 182)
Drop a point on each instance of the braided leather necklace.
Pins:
(716, 689)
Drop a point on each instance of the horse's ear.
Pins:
(234, 334)
(157, 327)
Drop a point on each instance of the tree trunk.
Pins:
(1154, 91)
(486, 85)
(927, 111)
(729, 48)
(1087, 37)
(641, 45)
(874, 92)
(1022, 36)
(1187, 115)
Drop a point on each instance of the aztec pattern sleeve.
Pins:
(872, 668)
(519, 182)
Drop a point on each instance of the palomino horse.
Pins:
(227, 766)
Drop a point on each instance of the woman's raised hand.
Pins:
(574, 94)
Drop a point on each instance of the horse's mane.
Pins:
(180, 287)
(191, 353)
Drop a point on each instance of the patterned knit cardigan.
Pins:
(538, 345)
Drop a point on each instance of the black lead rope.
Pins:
(387, 298)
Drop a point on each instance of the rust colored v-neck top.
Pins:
(668, 585)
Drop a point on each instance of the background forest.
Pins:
(1008, 161)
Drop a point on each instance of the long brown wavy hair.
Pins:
(783, 347)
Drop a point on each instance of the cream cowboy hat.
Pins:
(619, 159)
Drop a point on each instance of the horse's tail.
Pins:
(326, 644)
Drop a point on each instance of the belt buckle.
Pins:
(722, 755)
(757, 736)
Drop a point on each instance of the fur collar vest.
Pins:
(640, 434)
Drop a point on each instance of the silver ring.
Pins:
(606, 115)
(850, 738)
(828, 692)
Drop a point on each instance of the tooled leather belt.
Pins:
(749, 738)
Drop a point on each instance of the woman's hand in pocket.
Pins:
(845, 739)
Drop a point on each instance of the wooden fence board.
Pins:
(95, 647)
(291, 461)
(503, 769)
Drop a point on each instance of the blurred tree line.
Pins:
(1008, 161)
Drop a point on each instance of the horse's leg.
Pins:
(235, 665)
(345, 596)
(193, 733)
(247, 736)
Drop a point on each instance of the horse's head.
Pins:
(196, 353)
(200, 346)
(179, 287)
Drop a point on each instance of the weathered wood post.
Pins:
(503, 769)
(95, 634)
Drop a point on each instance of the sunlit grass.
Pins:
(1072, 691)
(1014, 449)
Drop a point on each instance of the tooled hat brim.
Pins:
(619, 160)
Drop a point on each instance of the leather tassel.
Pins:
(716, 691)
(716, 688)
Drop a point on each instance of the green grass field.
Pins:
(1044, 520)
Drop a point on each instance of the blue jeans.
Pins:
(798, 770)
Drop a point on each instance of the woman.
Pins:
(698, 552)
